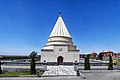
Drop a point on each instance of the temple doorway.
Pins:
(60, 60)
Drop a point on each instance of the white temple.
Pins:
(59, 47)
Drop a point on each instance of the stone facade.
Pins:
(52, 55)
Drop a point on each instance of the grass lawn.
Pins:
(17, 73)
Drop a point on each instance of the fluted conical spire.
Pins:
(60, 28)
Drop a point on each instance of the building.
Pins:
(93, 55)
(105, 54)
(59, 47)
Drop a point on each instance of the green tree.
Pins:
(88, 56)
(110, 65)
(100, 56)
(33, 64)
(87, 63)
(0, 67)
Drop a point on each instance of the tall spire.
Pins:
(60, 28)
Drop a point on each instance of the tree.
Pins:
(33, 64)
(87, 63)
(100, 56)
(0, 67)
(110, 65)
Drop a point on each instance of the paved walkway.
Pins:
(42, 78)
(60, 71)
(89, 76)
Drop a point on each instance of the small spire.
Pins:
(60, 13)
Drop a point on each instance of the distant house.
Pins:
(93, 55)
(1, 57)
(105, 55)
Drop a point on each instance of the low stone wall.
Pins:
(117, 67)
(15, 69)
(92, 64)
(19, 68)
(93, 67)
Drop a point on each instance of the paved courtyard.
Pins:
(43, 78)
(89, 76)
(103, 76)
(60, 71)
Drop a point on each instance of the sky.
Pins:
(25, 25)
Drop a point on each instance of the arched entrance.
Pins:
(60, 60)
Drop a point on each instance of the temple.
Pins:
(59, 47)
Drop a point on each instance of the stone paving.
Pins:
(43, 78)
(102, 76)
(60, 71)
(89, 76)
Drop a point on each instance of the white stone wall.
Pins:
(68, 56)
